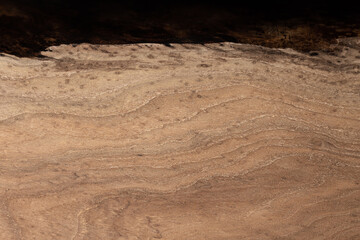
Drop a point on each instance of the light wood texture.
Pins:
(215, 141)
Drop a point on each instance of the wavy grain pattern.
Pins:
(214, 141)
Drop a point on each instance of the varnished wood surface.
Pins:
(215, 141)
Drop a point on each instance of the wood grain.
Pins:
(214, 141)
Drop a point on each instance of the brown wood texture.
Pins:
(214, 141)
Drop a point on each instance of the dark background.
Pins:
(30, 26)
